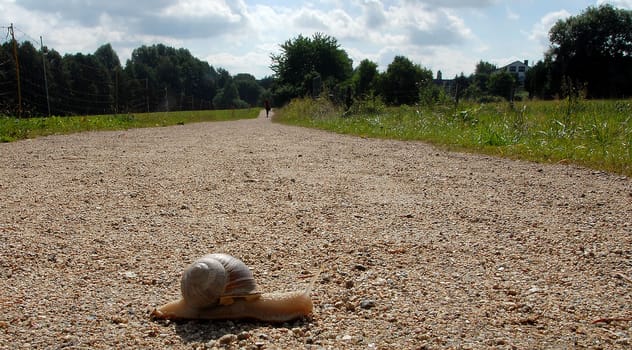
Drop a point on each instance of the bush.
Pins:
(370, 105)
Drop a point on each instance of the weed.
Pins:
(12, 129)
(597, 134)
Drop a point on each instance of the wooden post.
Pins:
(17, 69)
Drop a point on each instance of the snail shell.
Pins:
(216, 279)
(220, 286)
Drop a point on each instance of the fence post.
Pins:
(17, 69)
(45, 78)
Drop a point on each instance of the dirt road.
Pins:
(419, 247)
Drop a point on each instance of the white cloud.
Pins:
(196, 8)
(429, 27)
(540, 31)
(455, 3)
(336, 22)
(373, 14)
(513, 16)
(254, 62)
(625, 4)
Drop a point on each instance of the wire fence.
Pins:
(34, 82)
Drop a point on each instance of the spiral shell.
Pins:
(217, 279)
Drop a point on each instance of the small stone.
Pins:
(264, 336)
(243, 336)
(227, 339)
(349, 284)
(359, 267)
(533, 290)
(367, 304)
(298, 332)
(119, 320)
(350, 307)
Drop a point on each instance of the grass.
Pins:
(595, 134)
(12, 129)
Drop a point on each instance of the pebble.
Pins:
(227, 339)
(367, 304)
(359, 267)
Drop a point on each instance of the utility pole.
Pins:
(45, 78)
(17, 69)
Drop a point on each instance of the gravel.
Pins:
(419, 248)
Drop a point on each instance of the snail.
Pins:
(220, 286)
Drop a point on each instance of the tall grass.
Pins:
(12, 129)
(595, 134)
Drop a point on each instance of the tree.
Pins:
(106, 55)
(89, 85)
(249, 89)
(228, 97)
(542, 80)
(480, 79)
(402, 81)
(303, 61)
(190, 83)
(365, 77)
(595, 48)
(502, 83)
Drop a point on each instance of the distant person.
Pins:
(266, 104)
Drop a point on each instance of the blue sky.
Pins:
(447, 35)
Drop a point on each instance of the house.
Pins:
(519, 69)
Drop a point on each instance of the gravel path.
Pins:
(419, 247)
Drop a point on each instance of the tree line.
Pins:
(155, 78)
(589, 54)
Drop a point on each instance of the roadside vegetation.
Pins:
(12, 129)
(592, 133)
(557, 110)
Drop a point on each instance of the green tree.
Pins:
(502, 83)
(228, 97)
(89, 85)
(249, 89)
(480, 79)
(189, 82)
(402, 81)
(108, 57)
(305, 61)
(542, 80)
(365, 77)
(595, 48)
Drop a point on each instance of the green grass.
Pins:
(12, 129)
(596, 134)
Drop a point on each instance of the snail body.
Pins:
(220, 286)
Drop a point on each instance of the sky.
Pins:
(241, 35)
